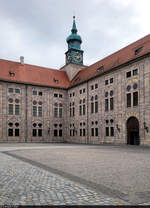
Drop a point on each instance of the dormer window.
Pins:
(100, 68)
(77, 79)
(138, 50)
(56, 81)
(12, 74)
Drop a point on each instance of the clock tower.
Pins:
(74, 54)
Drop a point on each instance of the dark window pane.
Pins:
(60, 95)
(40, 93)
(83, 132)
(70, 132)
(111, 80)
(10, 132)
(107, 131)
(83, 109)
(10, 90)
(84, 90)
(96, 131)
(17, 109)
(17, 90)
(10, 110)
(39, 132)
(135, 72)
(40, 111)
(80, 91)
(80, 110)
(106, 82)
(34, 92)
(106, 104)
(96, 86)
(73, 111)
(34, 132)
(34, 111)
(111, 103)
(92, 87)
(60, 132)
(96, 107)
(92, 131)
(80, 132)
(135, 98)
(60, 112)
(55, 112)
(55, 132)
(16, 132)
(128, 74)
(111, 131)
(55, 95)
(128, 100)
(92, 107)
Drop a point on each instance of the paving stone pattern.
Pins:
(24, 184)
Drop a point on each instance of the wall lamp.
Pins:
(146, 127)
(117, 126)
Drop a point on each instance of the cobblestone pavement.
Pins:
(117, 171)
(24, 184)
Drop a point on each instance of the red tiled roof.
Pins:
(116, 59)
(56, 78)
(33, 74)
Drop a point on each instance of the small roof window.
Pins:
(12, 74)
(56, 81)
(77, 79)
(99, 68)
(138, 50)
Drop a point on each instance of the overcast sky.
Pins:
(37, 29)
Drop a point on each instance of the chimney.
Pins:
(22, 60)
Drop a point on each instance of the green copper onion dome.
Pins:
(74, 36)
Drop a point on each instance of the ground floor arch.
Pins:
(133, 131)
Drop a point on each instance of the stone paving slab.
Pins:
(24, 184)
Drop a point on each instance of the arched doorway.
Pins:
(133, 131)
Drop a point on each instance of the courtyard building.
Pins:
(106, 102)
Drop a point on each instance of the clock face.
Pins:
(77, 57)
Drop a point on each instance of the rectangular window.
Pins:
(73, 132)
(96, 131)
(107, 131)
(80, 91)
(111, 131)
(135, 72)
(55, 112)
(70, 111)
(17, 91)
(80, 110)
(73, 111)
(10, 132)
(55, 95)
(34, 92)
(92, 131)
(128, 100)
(17, 109)
(135, 98)
(128, 74)
(84, 109)
(40, 93)
(111, 80)
(34, 111)
(106, 104)
(83, 132)
(10, 109)
(60, 132)
(60, 95)
(92, 87)
(80, 132)
(92, 107)
(55, 132)
(83, 90)
(96, 107)
(39, 132)
(96, 86)
(16, 132)
(106, 82)
(34, 132)
(111, 103)
(10, 90)
(60, 112)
